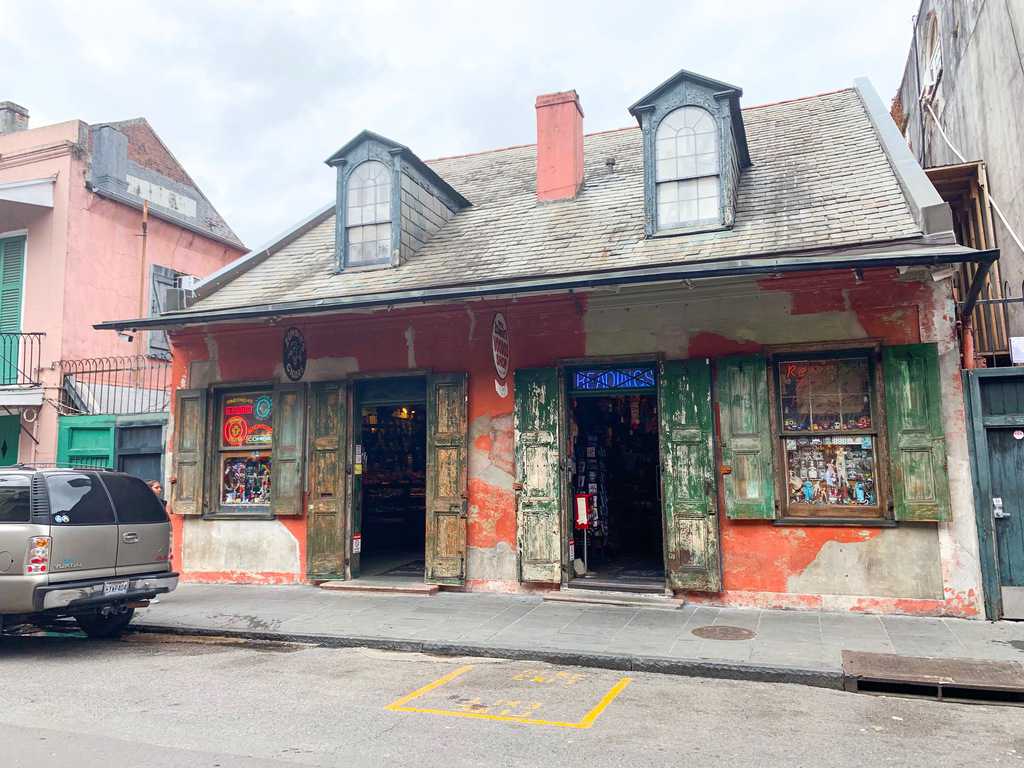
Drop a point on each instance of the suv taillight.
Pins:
(37, 559)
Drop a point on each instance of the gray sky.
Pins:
(252, 98)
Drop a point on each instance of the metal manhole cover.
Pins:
(722, 632)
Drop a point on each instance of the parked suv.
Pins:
(87, 544)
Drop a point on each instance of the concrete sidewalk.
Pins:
(789, 646)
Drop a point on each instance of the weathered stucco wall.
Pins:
(923, 568)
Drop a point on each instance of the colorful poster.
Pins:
(247, 420)
(246, 480)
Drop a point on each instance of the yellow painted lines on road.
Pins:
(508, 710)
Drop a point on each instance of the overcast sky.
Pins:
(252, 98)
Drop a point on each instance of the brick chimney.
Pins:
(559, 146)
(13, 117)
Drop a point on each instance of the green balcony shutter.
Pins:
(12, 272)
(742, 388)
(917, 443)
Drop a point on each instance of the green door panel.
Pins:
(10, 434)
(1006, 462)
(538, 500)
(447, 489)
(86, 441)
(12, 271)
(325, 528)
(690, 509)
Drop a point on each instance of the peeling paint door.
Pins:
(537, 475)
(1006, 459)
(447, 490)
(689, 500)
(325, 529)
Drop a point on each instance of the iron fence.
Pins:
(115, 385)
(991, 321)
(20, 356)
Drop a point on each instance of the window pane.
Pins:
(135, 501)
(831, 395)
(686, 145)
(831, 470)
(78, 499)
(245, 480)
(247, 420)
(14, 495)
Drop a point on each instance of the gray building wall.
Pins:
(422, 212)
(979, 102)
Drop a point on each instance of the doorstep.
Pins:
(395, 586)
(630, 599)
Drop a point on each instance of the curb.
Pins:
(722, 670)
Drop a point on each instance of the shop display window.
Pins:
(245, 455)
(828, 436)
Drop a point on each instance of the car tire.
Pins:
(100, 627)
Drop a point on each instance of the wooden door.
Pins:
(326, 507)
(538, 497)
(1006, 462)
(689, 502)
(447, 483)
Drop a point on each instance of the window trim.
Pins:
(787, 514)
(215, 510)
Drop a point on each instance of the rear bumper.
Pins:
(84, 594)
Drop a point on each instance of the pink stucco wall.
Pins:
(83, 260)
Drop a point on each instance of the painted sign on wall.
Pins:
(500, 353)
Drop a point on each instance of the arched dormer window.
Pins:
(687, 169)
(368, 214)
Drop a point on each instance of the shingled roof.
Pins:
(820, 179)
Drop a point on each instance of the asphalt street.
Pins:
(151, 700)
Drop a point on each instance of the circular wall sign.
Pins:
(500, 349)
(1018, 434)
(294, 354)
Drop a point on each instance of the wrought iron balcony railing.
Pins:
(133, 384)
(20, 355)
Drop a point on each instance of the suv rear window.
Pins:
(134, 500)
(78, 499)
(14, 499)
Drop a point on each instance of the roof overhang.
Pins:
(34, 192)
(896, 255)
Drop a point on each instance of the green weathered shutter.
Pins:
(447, 490)
(86, 441)
(12, 272)
(286, 461)
(325, 526)
(189, 451)
(539, 490)
(742, 389)
(687, 476)
(917, 444)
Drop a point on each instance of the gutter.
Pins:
(705, 269)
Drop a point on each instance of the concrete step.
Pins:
(595, 597)
(394, 586)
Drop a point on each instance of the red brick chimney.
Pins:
(559, 145)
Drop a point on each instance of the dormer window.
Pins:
(368, 215)
(695, 152)
(687, 169)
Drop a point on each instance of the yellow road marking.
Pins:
(587, 721)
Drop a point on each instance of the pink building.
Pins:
(96, 221)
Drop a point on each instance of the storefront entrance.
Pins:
(394, 463)
(614, 458)
(389, 477)
(635, 439)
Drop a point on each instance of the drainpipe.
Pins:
(142, 273)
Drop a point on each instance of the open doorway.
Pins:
(393, 464)
(614, 442)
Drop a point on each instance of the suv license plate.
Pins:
(115, 588)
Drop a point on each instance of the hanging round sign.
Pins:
(294, 354)
(500, 348)
(1018, 434)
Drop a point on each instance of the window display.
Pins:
(246, 434)
(828, 436)
(831, 470)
